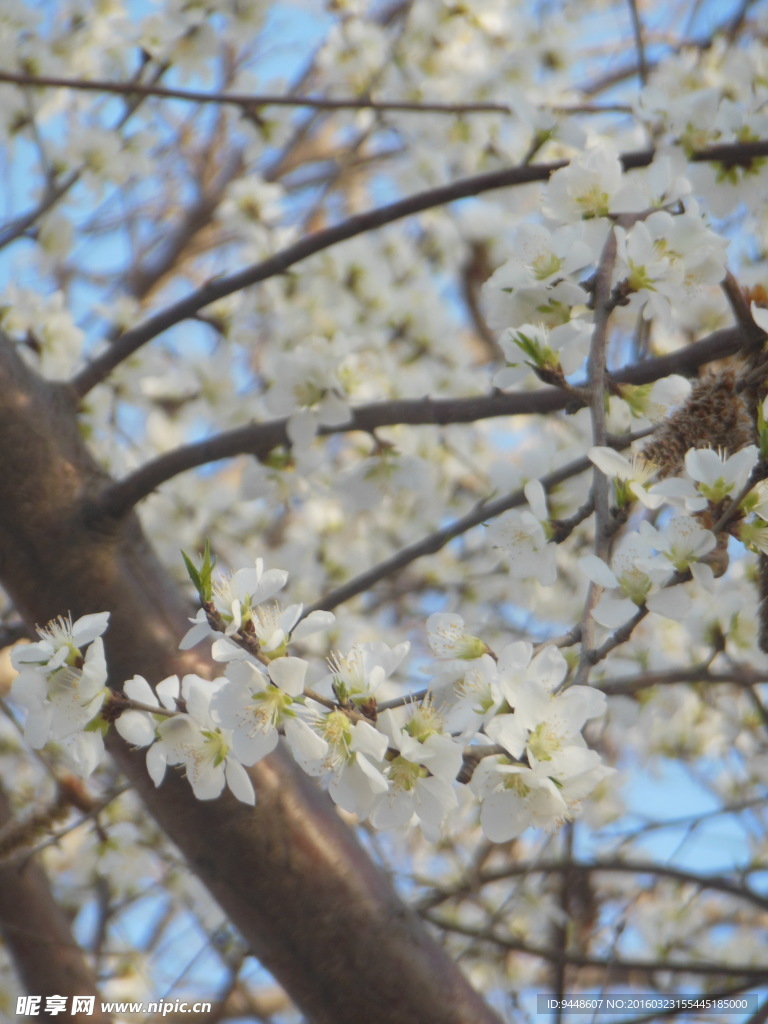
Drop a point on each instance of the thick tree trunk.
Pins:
(290, 875)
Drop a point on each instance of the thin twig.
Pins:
(638, 966)
(597, 377)
(249, 101)
(637, 30)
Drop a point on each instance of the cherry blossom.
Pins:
(445, 268)
(634, 580)
(255, 706)
(636, 473)
(62, 689)
(196, 741)
(347, 755)
(718, 476)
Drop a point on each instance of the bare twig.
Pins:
(639, 966)
(435, 541)
(637, 30)
(596, 385)
(248, 101)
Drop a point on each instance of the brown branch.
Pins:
(760, 1016)
(361, 223)
(17, 227)
(259, 439)
(436, 541)
(564, 926)
(249, 101)
(597, 377)
(637, 31)
(729, 28)
(262, 864)
(737, 300)
(697, 674)
(714, 881)
(674, 967)
(38, 936)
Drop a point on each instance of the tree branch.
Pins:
(291, 876)
(435, 541)
(17, 227)
(248, 101)
(674, 967)
(218, 288)
(714, 881)
(597, 376)
(38, 936)
(259, 439)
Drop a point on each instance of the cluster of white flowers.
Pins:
(508, 717)
(665, 251)
(63, 689)
(645, 561)
(384, 320)
(508, 725)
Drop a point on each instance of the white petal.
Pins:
(610, 462)
(503, 817)
(37, 727)
(673, 603)
(156, 763)
(270, 583)
(650, 498)
(313, 623)
(84, 752)
(289, 674)
(88, 627)
(301, 428)
(367, 740)
(536, 498)
(199, 631)
(136, 728)
(760, 316)
(168, 691)
(612, 612)
(306, 746)
(548, 668)
(239, 782)
(434, 799)
(597, 571)
(197, 693)
(509, 732)
(139, 689)
(207, 782)
(224, 650)
(393, 810)
(94, 675)
(333, 410)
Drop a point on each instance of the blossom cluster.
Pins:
(539, 299)
(507, 726)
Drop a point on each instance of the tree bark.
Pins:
(38, 936)
(289, 874)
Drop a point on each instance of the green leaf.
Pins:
(201, 578)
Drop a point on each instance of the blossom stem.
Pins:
(597, 375)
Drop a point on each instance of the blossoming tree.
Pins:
(384, 452)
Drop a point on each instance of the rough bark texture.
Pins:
(289, 874)
(37, 933)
